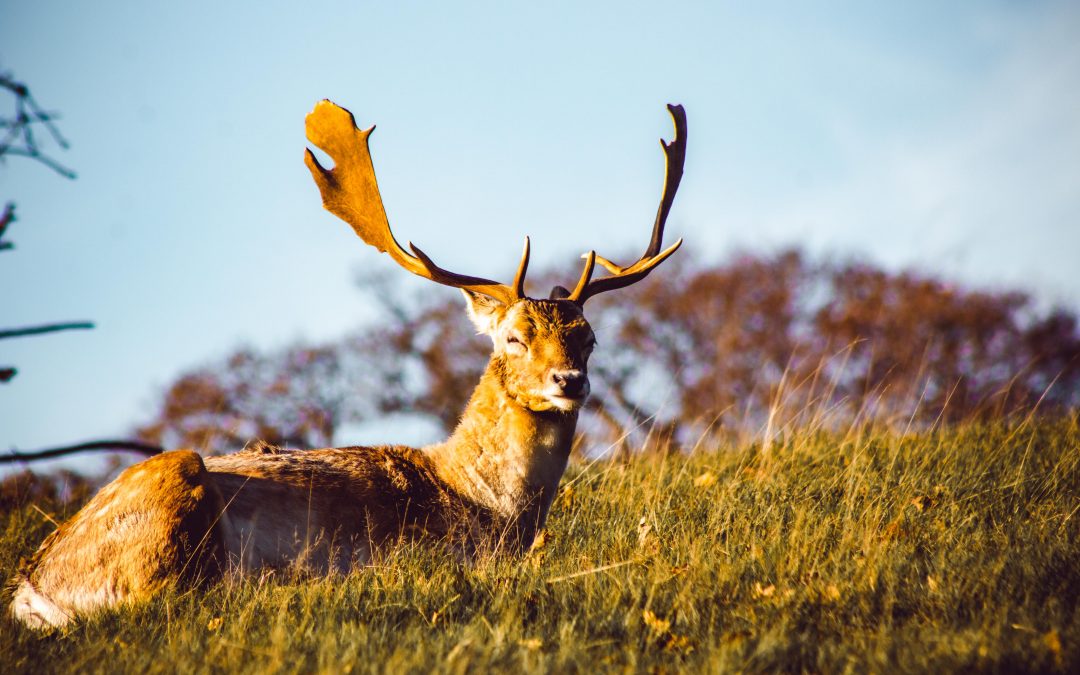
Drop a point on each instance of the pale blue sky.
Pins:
(942, 135)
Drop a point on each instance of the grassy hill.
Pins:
(870, 551)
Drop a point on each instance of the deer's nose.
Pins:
(571, 382)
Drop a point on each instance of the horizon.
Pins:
(940, 138)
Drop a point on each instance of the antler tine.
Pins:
(351, 192)
(586, 275)
(675, 156)
(523, 266)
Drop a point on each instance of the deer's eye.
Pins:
(514, 343)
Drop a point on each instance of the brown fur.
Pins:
(488, 487)
(177, 517)
(149, 527)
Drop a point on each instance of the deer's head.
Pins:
(541, 346)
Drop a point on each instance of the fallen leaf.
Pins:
(566, 496)
(894, 530)
(922, 502)
(705, 480)
(644, 528)
(678, 643)
(540, 541)
(531, 644)
(655, 623)
(1053, 642)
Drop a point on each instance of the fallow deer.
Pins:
(179, 517)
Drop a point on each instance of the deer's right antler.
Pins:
(350, 192)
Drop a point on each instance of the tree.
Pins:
(757, 343)
(19, 141)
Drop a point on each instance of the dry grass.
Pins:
(944, 551)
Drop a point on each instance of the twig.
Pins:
(20, 128)
(7, 218)
(34, 153)
(45, 515)
(47, 328)
(15, 87)
(108, 445)
(602, 568)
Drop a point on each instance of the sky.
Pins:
(939, 136)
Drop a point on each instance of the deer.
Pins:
(181, 518)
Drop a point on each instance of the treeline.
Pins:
(756, 344)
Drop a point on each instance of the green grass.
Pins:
(954, 550)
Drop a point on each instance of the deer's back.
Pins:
(330, 508)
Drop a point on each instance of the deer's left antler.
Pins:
(675, 154)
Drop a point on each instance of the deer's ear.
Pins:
(484, 311)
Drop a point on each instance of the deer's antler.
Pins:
(350, 192)
(675, 153)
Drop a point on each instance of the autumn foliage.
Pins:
(757, 344)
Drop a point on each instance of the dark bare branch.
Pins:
(47, 328)
(6, 218)
(145, 449)
(19, 140)
(34, 153)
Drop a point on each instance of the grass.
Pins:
(942, 551)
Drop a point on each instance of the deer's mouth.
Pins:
(568, 403)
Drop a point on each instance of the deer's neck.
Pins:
(507, 457)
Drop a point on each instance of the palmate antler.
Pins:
(350, 191)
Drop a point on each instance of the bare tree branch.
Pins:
(34, 153)
(107, 445)
(6, 218)
(47, 328)
(19, 140)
